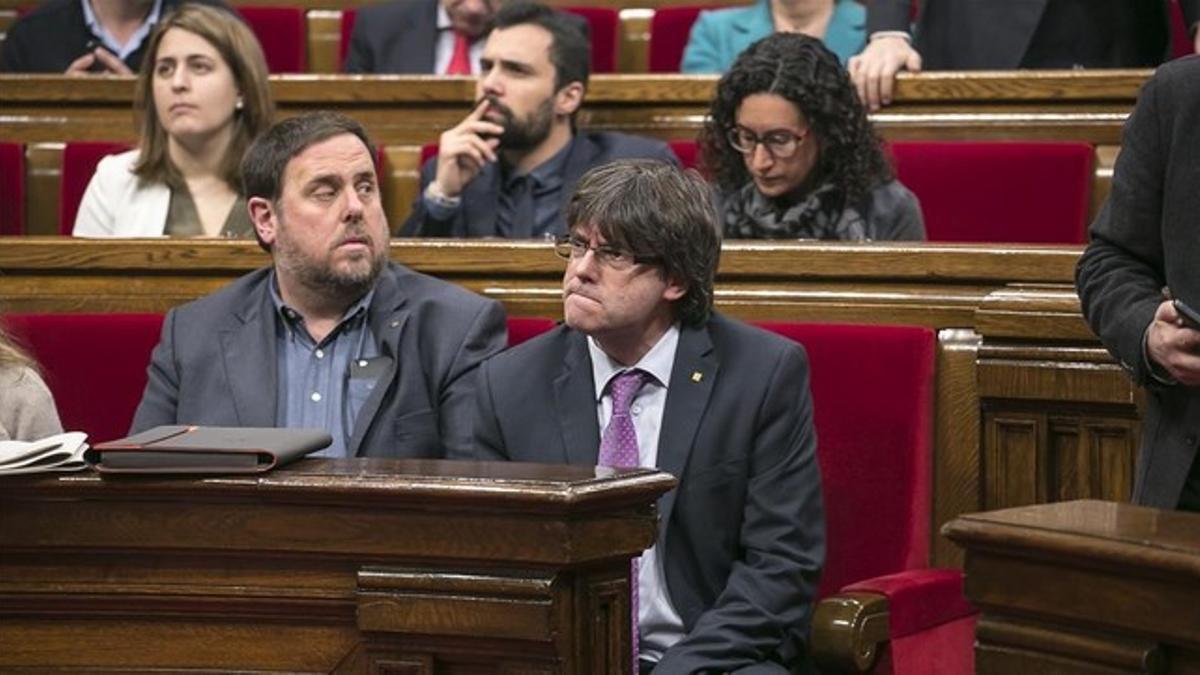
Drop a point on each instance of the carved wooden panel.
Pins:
(1042, 455)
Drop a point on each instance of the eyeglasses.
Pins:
(781, 143)
(571, 247)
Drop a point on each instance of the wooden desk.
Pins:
(1083, 587)
(1029, 407)
(346, 566)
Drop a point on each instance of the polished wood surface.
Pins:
(346, 566)
(1029, 407)
(1050, 105)
(1083, 587)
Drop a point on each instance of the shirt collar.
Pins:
(135, 40)
(549, 173)
(659, 361)
(292, 318)
(443, 18)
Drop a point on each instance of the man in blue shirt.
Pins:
(331, 335)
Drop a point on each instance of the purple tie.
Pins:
(619, 448)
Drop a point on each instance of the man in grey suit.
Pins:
(506, 170)
(722, 406)
(331, 335)
(1010, 34)
(1144, 250)
(419, 36)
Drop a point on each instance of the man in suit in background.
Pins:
(331, 335)
(80, 37)
(722, 406)
(430, 37)
(1143, 252)
(507, 168)
(1010, 34)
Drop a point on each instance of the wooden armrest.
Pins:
(847, 631)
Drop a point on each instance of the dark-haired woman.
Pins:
(794, 155)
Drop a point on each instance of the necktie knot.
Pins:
(460, 56)
(624, 388)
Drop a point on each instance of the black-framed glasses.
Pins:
(781, 143)
(572, 247)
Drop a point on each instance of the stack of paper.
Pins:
(62, 452)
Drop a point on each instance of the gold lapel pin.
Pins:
(697, 376)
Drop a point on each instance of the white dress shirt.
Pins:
(444, 48)
(659, 625)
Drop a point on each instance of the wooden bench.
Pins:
(405, 112)
(1028, 407)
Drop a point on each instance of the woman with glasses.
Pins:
(793, 154)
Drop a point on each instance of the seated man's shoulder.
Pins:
(749, 343)
(425, 289)
(229, 297)
(539, 353)
(47, 13)
(616, 145)
(383, 17)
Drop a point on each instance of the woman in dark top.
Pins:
(794, 155)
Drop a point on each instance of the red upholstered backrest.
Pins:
(872, 397)
(602, 27)
(12, 188)
(522, 328)
(94, 363)
(1181, 44)
(988, 192)
(78, 164)
(670, 28)
(283, 34)
(686, 151)
(349, 14)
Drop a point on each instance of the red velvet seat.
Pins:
(349, 15)
(988, 192)
(603, 26)
(78, 164)
(670, 28)
(95, 364)
(12, 188)
(283, 34)
(872, 389)
(687, 152)
(1181, 42)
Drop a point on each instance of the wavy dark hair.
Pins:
(802, 70)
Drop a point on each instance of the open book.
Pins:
(61, 452)
(195, 449)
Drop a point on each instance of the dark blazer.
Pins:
(1146, 237)
(744, 535)
(476, 216)
(216, 363)
(394, 37)
(51, 37)
(994, 34)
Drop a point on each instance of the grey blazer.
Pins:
(744, 534)
(1147, 237)
(476, 217)
(216, 363)
(994, 34)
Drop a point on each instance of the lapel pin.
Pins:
(697, 376)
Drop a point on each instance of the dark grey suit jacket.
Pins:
(476, 217)
(744, 535)
(994, 34)
(216, 363)
(1147, 236)
(394, 37)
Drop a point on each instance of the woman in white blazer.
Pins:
(201, 99)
